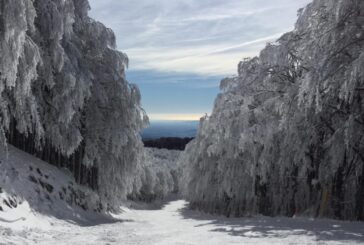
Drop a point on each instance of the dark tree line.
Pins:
(84, 175)
(170, 143)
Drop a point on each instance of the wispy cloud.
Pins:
(216, 60)
(206, 37)
(179, 50)
(262, 40)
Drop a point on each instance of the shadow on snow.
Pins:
(280, 227)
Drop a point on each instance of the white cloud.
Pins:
(206, 37)
(204, 60)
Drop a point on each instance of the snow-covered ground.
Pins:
(41, 204)
(174, 224)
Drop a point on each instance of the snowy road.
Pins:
(176, 225)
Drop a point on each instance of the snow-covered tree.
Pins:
(64, 96)
(286, 134)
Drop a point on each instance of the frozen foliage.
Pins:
(286, 135)
(158, 175)
(64, 96)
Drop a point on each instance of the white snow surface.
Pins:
(38, 220)
(175, 224)
(34, 193)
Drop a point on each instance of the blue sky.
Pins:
(179, 50)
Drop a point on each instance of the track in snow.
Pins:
(176, 225)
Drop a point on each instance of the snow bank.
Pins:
(31, 189)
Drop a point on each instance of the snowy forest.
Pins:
(285, 137)
(65, 99)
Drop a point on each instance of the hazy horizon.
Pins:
(170, 128)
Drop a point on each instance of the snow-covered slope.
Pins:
(286, 135)
(30, 188)
(40, 203)
(26, 181)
